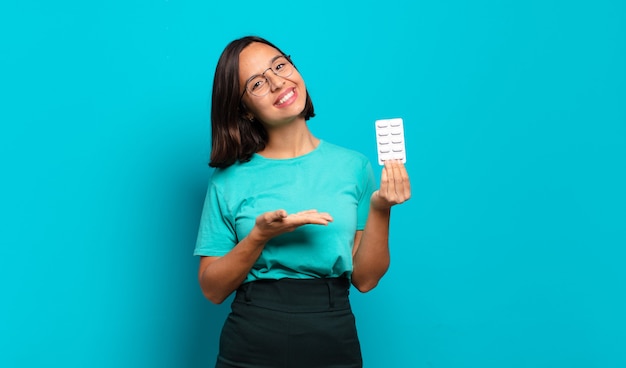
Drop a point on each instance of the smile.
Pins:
(286, 97)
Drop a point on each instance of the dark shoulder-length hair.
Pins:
(235, 137)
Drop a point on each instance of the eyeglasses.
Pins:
(258, 85)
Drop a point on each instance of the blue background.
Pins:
(511, 252)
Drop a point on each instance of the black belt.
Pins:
(296, 295)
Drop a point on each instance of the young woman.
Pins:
(289, 220)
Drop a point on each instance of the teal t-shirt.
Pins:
(329, 179)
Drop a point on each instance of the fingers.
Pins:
(275, 216)
(402, 183)
(311, 217)
(274, 223)
(281, 218)
(395, 186)
(306, 212)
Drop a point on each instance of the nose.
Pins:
(276, 82)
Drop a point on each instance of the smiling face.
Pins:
(286, 97)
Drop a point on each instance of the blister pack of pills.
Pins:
(390, 140)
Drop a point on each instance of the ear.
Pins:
(246, 113)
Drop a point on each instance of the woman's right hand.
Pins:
(271, 224)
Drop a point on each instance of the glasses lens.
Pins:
(258, 85)
(282, 67)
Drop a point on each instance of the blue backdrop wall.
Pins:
(511, 252)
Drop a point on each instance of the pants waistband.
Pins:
(296, 295)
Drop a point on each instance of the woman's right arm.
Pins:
(220, 276)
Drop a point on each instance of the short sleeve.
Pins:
(216, 235)
(367, 186)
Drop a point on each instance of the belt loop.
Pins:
(248, 292)
(331, 298)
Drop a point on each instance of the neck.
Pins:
(289, 141)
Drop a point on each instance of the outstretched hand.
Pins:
(274, 223)
(395, 187)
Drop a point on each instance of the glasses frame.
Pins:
(245, 89)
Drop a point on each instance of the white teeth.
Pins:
(286, 97)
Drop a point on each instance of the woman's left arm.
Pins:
(371, 246)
